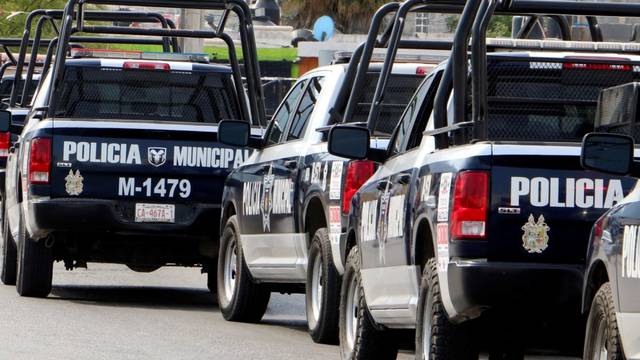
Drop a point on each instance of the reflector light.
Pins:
(144, 65)
(40, 161)
(358, 173)
(470, 205)
(5, 144)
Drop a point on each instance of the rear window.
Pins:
(7, 84)
(548, 99)
(399, 91)
(175, 96)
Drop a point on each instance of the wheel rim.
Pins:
(316, 287)
(230, 274)
(426, 328)
(601, 352)
(353, 300)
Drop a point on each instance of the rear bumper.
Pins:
(96, 215)
(629, 327)
(477, 285)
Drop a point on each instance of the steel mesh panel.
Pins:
(398, 93)
(548, 99)
(617, 111)
(113, 93)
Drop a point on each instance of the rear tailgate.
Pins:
(155, 163)
(543, 204)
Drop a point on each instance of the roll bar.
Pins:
(391, 39)
(49, 15)
(239, 7)
(474, 20)
(479, 54)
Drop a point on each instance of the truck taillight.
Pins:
(145, 65)
(585, 63)
(470, 205)
(598, 67)
(423, 70)
(598, 229)
(40, 161)
(358, 173)
(5, 144)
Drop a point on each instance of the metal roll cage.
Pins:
(239, 7)
(47, 16)
(473, 25)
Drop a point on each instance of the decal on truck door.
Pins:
(630, 252)
(267, 197)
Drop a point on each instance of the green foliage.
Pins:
(14, 26)
(217, 53)
(500, 26)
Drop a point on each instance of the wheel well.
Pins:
(228, 212)
(423, 244)
(351, 242)
(314, 217)
(597, 276)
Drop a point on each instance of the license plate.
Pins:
(155, 213)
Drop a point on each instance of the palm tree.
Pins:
(351, 16)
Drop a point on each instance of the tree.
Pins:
(499, 27)
(14, 12)
(351, 16)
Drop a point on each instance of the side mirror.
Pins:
(608, 153)
(348, 141)
(234, 132)
(5, 120)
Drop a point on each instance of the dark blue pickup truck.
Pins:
(479, 206)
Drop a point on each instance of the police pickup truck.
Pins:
(285, 208)
(119, 164)
(465, 216)
(612, 277)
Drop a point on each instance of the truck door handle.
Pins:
(291, 164)
(404, 179)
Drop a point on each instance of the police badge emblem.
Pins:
(157, 156)
(74, 184)
(536, 238)
(266, 205)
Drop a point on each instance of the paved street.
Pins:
(110, 312)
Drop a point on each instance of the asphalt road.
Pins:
(110, 312)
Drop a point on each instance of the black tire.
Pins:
(9, 262)
(446, 340)
(246, 301)
(602, 327)
(35, 266)
(322, 314)
(365, 341)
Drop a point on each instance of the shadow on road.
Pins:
(293, 324)
(134, 296)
